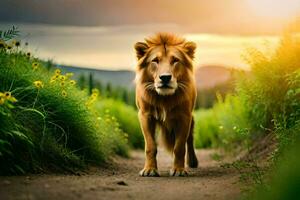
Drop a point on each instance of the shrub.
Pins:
(46, 121)
(127, 118)
(266, 101)
(285, 177)
(226, 123)
(206, 129)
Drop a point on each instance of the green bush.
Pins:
(226, 123)
(267, 100)
(272, 92)
(206, 129)
(46, 121)
(285, 177)
(127, 118)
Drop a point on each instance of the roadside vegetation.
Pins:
(127, 119)
(265, 102)
(46, 122)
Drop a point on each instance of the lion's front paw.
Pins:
(151, 172)
(178, 172)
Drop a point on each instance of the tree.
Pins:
(91, 83)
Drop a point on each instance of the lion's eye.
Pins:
(174, 60)
(155, 60)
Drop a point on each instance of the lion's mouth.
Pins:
(165, 87)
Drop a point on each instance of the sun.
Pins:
(282, 9)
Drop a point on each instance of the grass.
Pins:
(266, 101)
(285, 177)
(46, 121)
(126, 117)
(206, 129)
(226, 123)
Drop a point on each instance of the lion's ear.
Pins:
(190, 48)
(140, 48)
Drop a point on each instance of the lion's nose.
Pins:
(165, 78)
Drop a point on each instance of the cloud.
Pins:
(214, 16)
(111, 47)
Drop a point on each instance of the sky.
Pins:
(101, 33)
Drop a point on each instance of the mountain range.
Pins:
(206, 76)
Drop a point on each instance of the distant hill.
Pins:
(206, 76)
(210, 76)
(122, 78)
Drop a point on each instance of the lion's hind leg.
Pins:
(192, 160)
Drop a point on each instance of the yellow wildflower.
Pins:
(35, 65)
(95, 90)
(9, 46)
(94, 95)
(93, 98)
(16, 43)
(7, 95)
(57, 71)
(62, 77)
(38, 84)
(62, 84)
(72, 82)
(28, 54)
(64, 93)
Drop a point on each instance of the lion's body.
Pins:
(168, 109)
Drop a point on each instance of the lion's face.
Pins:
(164, 64)
(165, 68)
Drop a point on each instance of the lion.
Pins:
(165, 98)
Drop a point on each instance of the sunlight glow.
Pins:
(282, 9)
(112, 47)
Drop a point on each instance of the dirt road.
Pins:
(121, 181)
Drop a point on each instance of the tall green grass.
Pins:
(51, 125)
(265, 101)
(227, 124)
(285, 177)
(126, 117)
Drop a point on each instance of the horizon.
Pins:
(111, 47)
(101, 33)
